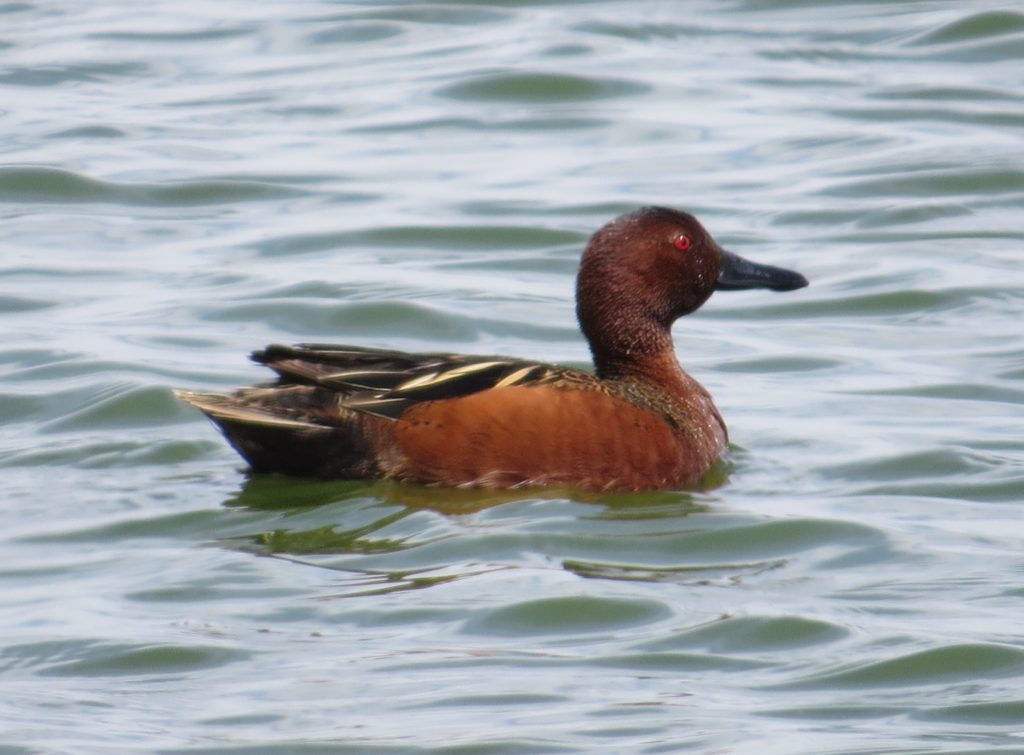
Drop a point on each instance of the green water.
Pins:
(181, 183)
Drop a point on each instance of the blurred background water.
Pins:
(183, 182)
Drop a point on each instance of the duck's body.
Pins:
(345, 412)
(639, 423)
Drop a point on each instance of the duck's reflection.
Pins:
(386, 536)
(276, 492)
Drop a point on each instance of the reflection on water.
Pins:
(268, 491)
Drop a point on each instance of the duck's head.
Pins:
(644, 270)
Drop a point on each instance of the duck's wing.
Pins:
(386, 383)
(335, 410)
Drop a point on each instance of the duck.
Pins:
(637, 422)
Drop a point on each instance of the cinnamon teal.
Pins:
(638, 422)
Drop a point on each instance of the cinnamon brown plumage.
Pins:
(638, 423)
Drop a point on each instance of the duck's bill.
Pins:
(738, 273)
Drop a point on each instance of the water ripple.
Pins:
(975, 26)
(37, 184)
(56, 75)
(572, 616)
(943, 665)
(183, 183)
(540, 88)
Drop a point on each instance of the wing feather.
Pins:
(386, 383)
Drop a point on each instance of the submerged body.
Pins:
(639, 423)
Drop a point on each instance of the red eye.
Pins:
(682, 242)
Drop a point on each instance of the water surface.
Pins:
(183, 182)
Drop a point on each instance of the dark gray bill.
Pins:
(738, 273)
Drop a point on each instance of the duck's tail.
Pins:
(286, 438)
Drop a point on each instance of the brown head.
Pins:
(642, 272)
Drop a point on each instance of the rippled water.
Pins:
(184, 182)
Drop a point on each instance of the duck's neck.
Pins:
(627, 325)
(638, 353)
